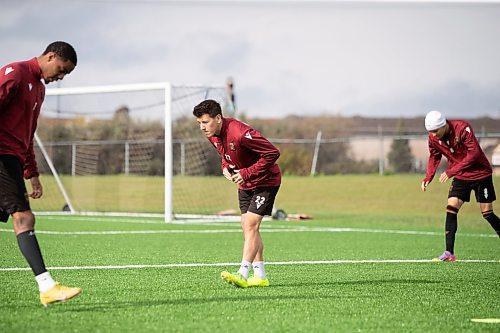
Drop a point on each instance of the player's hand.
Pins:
(227, 174)
(237, 178)
(424, 185)
(443, 178)
(36, 188)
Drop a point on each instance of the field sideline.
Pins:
(354, 270)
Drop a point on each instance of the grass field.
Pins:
(362, 265)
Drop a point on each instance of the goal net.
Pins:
(130, 150)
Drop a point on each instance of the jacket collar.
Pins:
(35, 68)
(223, 129)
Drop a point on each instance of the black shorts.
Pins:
(259, 200)
(13, 194)
(483, 189)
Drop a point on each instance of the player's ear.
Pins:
(218, 118)
(50, 56)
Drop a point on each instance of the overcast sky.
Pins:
(286, 57)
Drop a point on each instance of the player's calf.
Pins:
(493, 220)
(451, 226)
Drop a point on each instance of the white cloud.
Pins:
(284, 58)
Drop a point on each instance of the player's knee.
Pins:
(251, 227)
(23, 221)
(451, 209)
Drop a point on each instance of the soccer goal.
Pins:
(128, 150)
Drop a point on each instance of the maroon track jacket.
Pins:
(466, 159)
(240, 145)
(21, 97)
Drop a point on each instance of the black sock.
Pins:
(451, 227)
(31, 251)
(493, 220)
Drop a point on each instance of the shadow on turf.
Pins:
(359, 282)
(111, 306)
(106, 306)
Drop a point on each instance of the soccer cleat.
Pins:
(58, 293)
(235, 279)
(446, 256)
(257, 281)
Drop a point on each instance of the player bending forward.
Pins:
(249, 160)
(469, 168)
(21, 97)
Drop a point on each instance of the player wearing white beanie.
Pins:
(469, 168)
(434, 120)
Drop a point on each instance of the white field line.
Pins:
(317, 262)
(263, 230)
(100, 219)
(486, 320)
(201, 221)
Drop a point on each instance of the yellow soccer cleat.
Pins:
(235, 279)
(257, 281)
(58, 293)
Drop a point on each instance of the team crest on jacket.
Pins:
(231, 146)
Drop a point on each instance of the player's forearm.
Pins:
(30, 165)
(431, 169)
(259, 168)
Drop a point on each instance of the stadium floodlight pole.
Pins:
(166, 87)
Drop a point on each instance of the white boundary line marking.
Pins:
(486, 320)
(317, 262)
(238, 230)
(150, 220)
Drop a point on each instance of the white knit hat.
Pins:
(434, 120)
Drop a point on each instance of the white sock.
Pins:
(258, 269)
(45, 282)
(245, 268)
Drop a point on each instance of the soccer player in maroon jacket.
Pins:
(21, 97)
(469, 168)
(249, 160)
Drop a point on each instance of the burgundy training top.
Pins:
(240, 145)
(466, 159)
(21, 97)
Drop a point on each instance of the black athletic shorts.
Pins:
(259, 200)
(13, 194)
(483, 189)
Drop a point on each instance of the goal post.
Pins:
(135, 155)
(163, 86)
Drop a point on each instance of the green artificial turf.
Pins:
(303, 297)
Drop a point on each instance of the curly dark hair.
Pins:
(209, 106)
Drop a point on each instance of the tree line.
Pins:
(296, 159)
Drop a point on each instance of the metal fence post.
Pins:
(316, 151)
